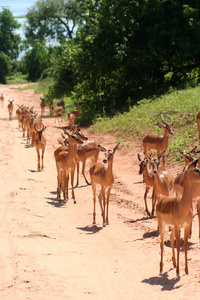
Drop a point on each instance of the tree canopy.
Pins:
(113, 53)
(9, 42)
(54, 19)
(131, 48)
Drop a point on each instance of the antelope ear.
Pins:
(102, 148)
(194, 150)
(139, 157)
(67, 134)
(116, 148)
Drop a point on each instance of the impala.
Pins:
(163, 182)
(65, 164)
(61, 103)
(58, 111)
(40, 144)
(72, 116)
(177, 213)
(88, 150)
(2, 100)
(158, 142)
(102, 174)
(42, 105)
(19, 112)
(179, 182)
(149, 182)
(10, 108)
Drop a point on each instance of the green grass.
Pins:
(181, 105)
(16, 79)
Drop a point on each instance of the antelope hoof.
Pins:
(74, 201)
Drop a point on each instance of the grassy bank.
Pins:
(181, 105)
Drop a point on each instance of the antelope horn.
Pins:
(39, 130)
(35, 128)
(165, 121)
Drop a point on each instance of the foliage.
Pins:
(35, 61)
(61, 71)
(9, 40)
(9, 43)
(17, 78)
(5, 66)
(127, 48)
(123, 51)
(54, 19)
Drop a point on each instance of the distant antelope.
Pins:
(72, 116)
(58, 111)
(42, 105)
(61, 103)
(10, 108)
(2, 100)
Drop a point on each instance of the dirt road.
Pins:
(50, 250)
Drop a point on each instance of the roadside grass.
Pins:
(181, 105)
(17, 79)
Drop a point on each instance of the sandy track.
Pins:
(51, 250)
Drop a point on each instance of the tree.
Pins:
(35, 61)
(54, 19)
(127, 48)
(9, 40)
(5, 66)
(9, 43)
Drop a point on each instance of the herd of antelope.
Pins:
(75, 148)
(171, 197)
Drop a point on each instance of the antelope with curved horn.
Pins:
(177, 213)
(102, 174)
(158, 142)
(40, 144)
(10, 109)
